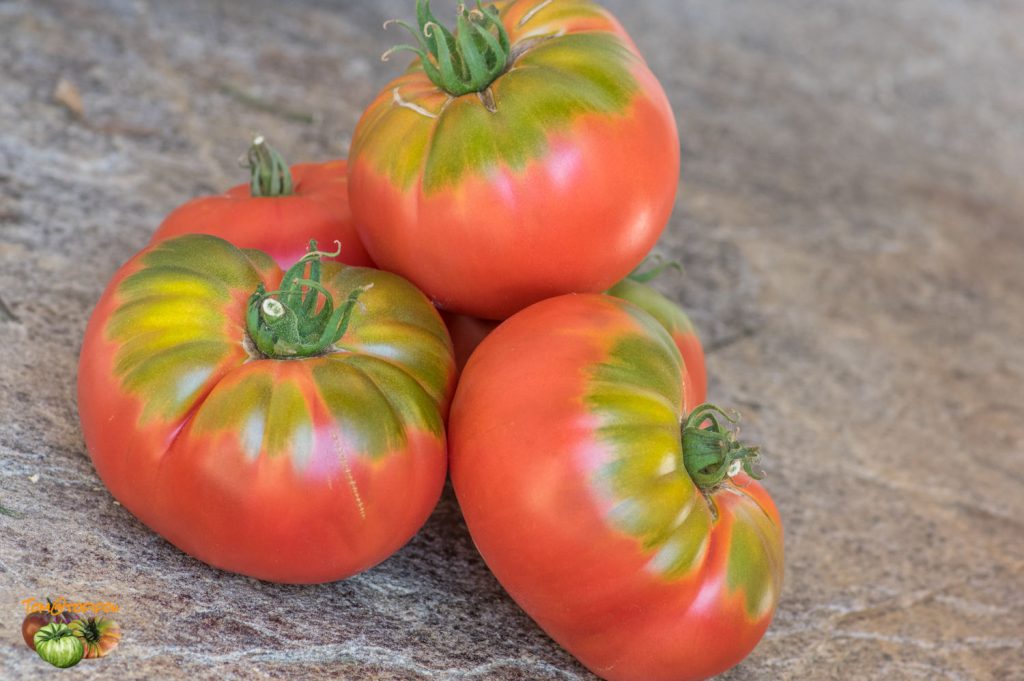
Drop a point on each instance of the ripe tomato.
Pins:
(99, 635)
(467, 333)
(278, 212)
(632, 533)
(279, 435)
(549, 165)
(35, 621)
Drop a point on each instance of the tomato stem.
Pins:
(711, 452)
(657, 268)
(291, 322)
(460, 62)
(270, 174)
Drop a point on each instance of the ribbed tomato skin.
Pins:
(289, 470)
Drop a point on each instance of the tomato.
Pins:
(287, 426)
(468, 332)
(99, 635)
(530, 154)
(632, 533)
(57, 645)
(35, 621)
(278, 212)
(32, 623)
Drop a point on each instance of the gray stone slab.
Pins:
(851, 220)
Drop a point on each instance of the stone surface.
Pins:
(851, 220)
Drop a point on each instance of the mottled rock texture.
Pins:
(851, 220)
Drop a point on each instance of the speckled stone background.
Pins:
(851, 219)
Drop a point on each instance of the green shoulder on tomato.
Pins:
(528, 153)
(285, 425)
(633, 532)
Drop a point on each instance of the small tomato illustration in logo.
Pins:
(98, 635)
(56, 644)
(35, 621)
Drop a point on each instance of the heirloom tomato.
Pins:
(287, 426)
(35, 621)
(467, 333)
(278, 212)
(630, 531)
(529, 153)
(57, 645)
(99, 635)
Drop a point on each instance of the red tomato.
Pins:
(295, 435)
(632, 533)
(35, 621)
(554, 170)
(467, 333)
(278, 212)
(32, 623)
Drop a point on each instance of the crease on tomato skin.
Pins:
(753, 490)
(696, 602)
(767, 530)
(382, 340)
(359, 343)
(438, 399)
(201, 400)
(234, 326)
(102, 368)
(350, 465)
(333, 542)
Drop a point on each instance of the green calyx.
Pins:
(653, 267)
(711, 452)
(466, 61)
(270, 174)
(291, 322)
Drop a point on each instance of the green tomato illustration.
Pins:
(58, 645)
